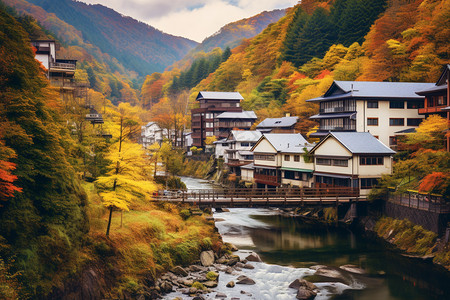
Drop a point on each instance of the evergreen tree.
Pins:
(226, 54)
(317, 36)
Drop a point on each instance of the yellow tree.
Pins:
(128, 179)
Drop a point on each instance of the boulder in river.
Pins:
(305, 294)
(253, 257)
(210, 284)
(249, 266)
(233, 260)
(297, 283)
(207, 258)
(231, 284)
(221, 296)
(245, 280)
(353, 269)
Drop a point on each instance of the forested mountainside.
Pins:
(63, 181)
(44, 217)
(137, 46)
(232, 34)
(317, 42)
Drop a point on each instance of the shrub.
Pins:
(185, 213)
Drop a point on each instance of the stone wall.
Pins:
(436, 222)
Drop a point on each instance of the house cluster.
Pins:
(359, 124)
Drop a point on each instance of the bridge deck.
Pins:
(263, 198)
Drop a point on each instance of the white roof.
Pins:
(245, 135)
(284, 142)
(237, 115)
(278, 122)
(359, 143)
(219, 96)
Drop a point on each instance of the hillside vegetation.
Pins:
(77, 220)
(317, 41)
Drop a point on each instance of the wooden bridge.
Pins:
(281, 197)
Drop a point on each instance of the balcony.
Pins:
(234, 162)
(57, 66)
(267, 179)
(431, 110)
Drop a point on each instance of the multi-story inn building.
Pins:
(211, 105)
(385, 109)
(227, 121)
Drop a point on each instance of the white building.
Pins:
(151, 134)
(238, 151)
(385, 109)
(351, 159)
(268, 156)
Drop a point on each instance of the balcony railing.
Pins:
(267, 179)
(337, 128)
(64, 66)
(430, 110)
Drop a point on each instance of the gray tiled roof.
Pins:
(237, 115)
(286, 141)
(246, 135)
(361, 143)
(220, 95)
(371, 89)
(277, 122)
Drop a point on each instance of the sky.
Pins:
(192, 19)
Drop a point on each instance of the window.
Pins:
(209, 133)
(396, 122)
(396, 104)
(372, 121)
(372, 104)
(368, 183)
(332, 162)
(414, 104)
(392, 140)
(371, 160)
(287, 157)
(323, 161)
(440, 100)
(413, 122)
(289, 174)
(296, 158)
(340, 162)
(269, 157)
(245, 144)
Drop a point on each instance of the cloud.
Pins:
(194, 19)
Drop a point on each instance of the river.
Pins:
(289, 246)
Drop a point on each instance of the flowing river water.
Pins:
(289, 247)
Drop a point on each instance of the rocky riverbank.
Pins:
(234, 275)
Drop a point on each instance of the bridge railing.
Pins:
(248, 194)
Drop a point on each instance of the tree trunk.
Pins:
(109, 221)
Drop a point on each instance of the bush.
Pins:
(185, 213)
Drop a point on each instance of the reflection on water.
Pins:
(290, 242)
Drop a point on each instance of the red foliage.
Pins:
(432, 181)
(323, 74)
(7, 188)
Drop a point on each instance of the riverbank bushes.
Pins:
(413, 239)
(144, 243)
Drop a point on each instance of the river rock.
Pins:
(239, 265)
(165, 287)
(305, 294)
(207, 258)
(233, 260)
(245, 280)
(222, 260)
(187, 282)
(198, 298)
(196, 268)
(352, 269)
(231, 284)
(179, 271)
(232, 247)
(297, 283)
(229, 270)
(221, 296)
(253, 257)
(249, 266)
(210, 284)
